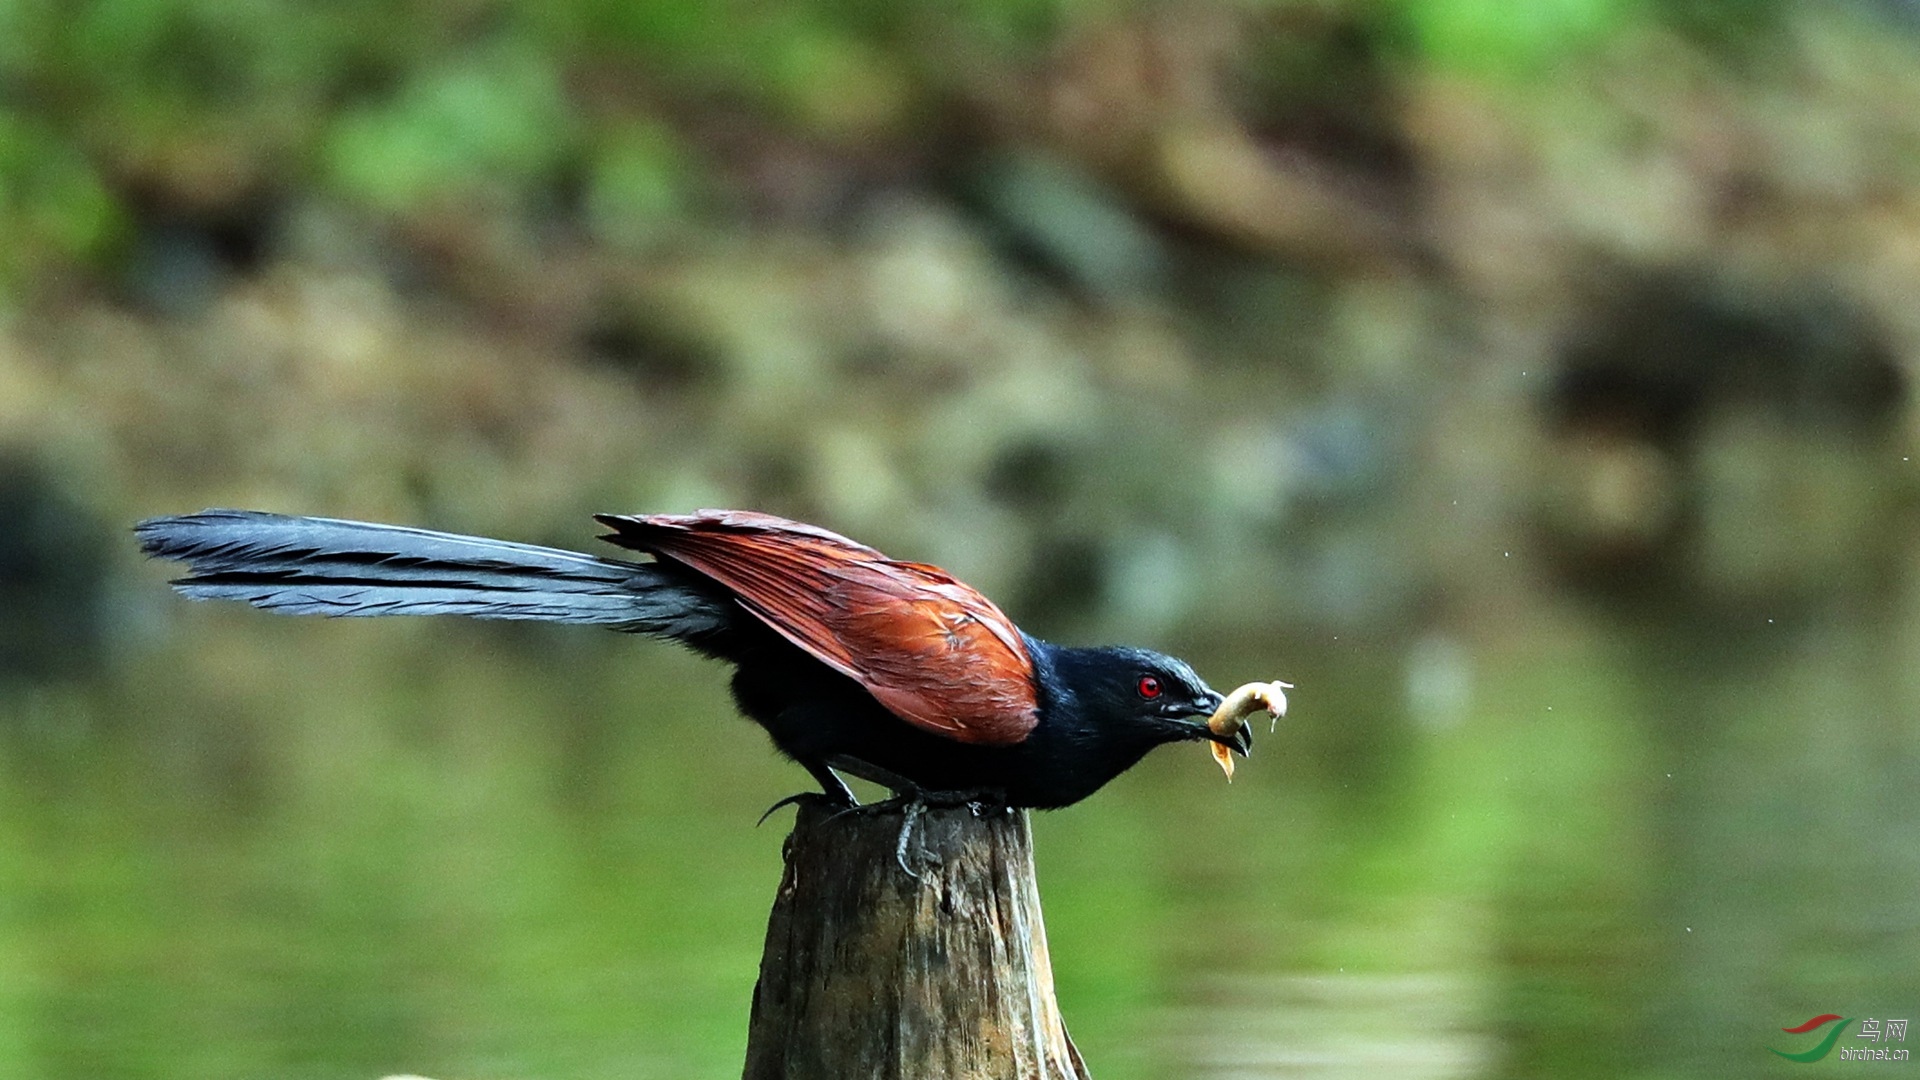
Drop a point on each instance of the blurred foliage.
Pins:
(54, 210)
(492, 121)
(109, 104)
(1486, 36)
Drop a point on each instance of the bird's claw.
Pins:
(799, 797)
(914, 808)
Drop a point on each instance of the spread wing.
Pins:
(929, 648)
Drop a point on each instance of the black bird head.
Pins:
(1152, 697)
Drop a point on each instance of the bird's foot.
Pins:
(915, 808)
(816, 797)
(913, 805)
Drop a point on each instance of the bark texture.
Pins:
(870, 973)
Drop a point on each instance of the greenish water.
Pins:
(295, 848)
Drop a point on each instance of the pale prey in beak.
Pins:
(1227, 727)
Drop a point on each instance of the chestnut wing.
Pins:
(928, 647)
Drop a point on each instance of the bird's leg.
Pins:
(833, 791)
(832, 788)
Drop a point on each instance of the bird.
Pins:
(854, 663)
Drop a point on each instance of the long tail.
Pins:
(320, 566)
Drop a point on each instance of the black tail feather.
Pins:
(321, 566)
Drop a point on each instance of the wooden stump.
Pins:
(870, 973)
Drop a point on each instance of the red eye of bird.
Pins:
(1149, 686)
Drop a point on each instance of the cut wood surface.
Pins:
(871, 973)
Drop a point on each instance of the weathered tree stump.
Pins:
(871, 973)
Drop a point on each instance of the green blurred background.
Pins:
(1529, 383)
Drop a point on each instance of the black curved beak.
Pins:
(1195, 709)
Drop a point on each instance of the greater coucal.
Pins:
(891, 671)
